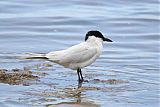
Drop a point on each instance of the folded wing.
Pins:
(78, 56)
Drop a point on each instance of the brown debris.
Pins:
(17, 76)
(110, 81)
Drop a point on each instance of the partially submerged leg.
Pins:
(80, 77)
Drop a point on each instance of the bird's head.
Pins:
(96, 34)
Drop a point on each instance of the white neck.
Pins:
(93, 40)
(97, 43)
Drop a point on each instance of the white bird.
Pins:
(77, 56)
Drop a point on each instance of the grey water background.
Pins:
(49, 25)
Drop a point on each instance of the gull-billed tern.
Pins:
(77, 56)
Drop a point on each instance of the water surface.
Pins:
(132, 60)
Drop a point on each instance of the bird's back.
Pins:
(77, 56)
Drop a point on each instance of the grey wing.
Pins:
(79, 56)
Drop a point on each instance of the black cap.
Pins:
(96, 34)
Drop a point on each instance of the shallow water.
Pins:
(126, 74)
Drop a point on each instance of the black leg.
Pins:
(81, 74)
(79, 79)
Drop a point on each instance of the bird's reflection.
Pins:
(78, 100)
(79, 92)
(79, 85)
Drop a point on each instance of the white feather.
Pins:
(78, 56)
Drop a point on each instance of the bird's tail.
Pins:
(35, 56)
